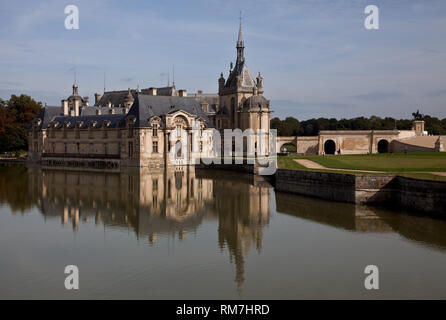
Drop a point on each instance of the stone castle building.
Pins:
(137, 127)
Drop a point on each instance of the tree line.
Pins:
(16, 115)
(290, 126)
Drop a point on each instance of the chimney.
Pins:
(65, 107)
(200, 92)
(152, 91)
(183, 93)
(87, 101)
(97, 97)
(76, 107)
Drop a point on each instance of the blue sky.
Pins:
(316, 57)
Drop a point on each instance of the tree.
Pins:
(16, 116)
(292, 127)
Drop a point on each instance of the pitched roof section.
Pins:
(117, 98)
(246, 81)
(47, 114)
(113, 118)
(90, 111)
(146, 106)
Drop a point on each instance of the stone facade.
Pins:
(365, 141)
(415, 194)
(140, 138)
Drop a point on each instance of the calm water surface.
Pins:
(188, 234)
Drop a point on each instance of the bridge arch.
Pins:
(383, 146)
(282, 141)
(329, 147)
(289, 146)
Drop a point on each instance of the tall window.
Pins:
(178, 131)
(91, 148)
(178, 149)
(233, 112)
(53, 148)
(155, 130)
(105, 148)
(155, 184)
(78, 148)
(155, 146)
(65, 149)
(130, 149)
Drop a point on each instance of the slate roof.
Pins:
(92, 110)
(147, 106)
(144, 107)
(256, 103)
(46, 115)
(113, 118)
(117, 98)
(247, 81)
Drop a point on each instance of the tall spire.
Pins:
(240, 43)
(240, 37)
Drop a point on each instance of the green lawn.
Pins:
(412, 164)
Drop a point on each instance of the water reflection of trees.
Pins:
(13, 186)
(422, 230)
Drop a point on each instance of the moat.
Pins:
(201, 234)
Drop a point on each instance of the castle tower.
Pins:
(242, 104)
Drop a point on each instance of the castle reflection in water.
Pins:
(174, 202)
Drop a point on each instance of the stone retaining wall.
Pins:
(415, 194)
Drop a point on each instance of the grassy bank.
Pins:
(417, 165)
